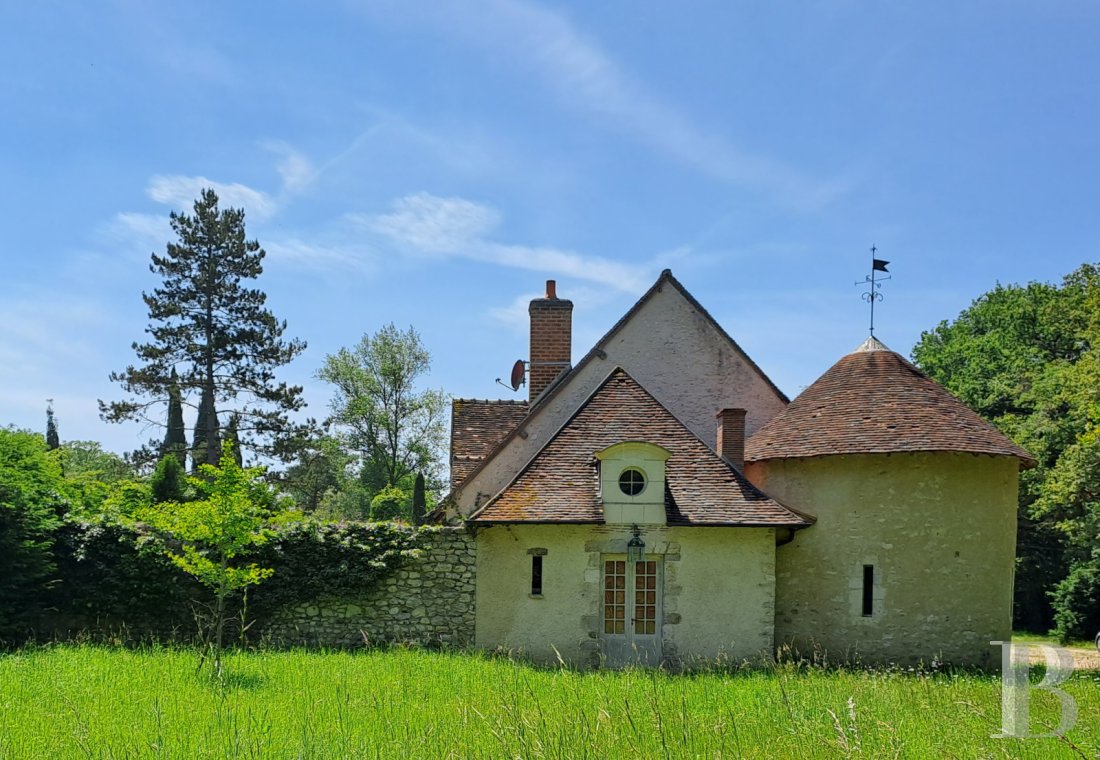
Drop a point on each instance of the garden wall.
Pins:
(428, 601)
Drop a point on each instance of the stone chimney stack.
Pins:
(731, 437)
(551, 339)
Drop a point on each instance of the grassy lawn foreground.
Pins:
(112, 703)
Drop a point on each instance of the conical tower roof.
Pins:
(873, 401)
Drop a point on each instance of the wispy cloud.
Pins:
(135, 234)
(295, 168)
(515, 315)
(584, 77)
(181, 191)
(456, 227)
(321, 258)
(436, 225)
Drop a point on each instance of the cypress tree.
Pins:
(208, 324)
(53, 440)
(206, 430)
(175, 438)
(233, 439)
(418, 500)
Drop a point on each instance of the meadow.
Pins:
(97, 702)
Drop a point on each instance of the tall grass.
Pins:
(72, 701)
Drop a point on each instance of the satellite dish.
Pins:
(518, 373)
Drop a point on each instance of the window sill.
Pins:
(535, 596)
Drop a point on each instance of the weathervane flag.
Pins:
(879, 265)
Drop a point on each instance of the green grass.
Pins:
(70, 701)
(1039, 638)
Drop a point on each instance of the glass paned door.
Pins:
(630, 625)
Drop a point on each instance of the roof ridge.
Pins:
(555, 385)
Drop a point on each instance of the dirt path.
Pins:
(1083, 659)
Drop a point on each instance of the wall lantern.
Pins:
(635, 547)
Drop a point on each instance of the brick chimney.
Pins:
(551, 339)
(731, 437)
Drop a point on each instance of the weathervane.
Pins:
(872, 295)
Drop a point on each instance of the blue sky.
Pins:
(432, 163)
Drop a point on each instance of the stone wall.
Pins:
(429, 601)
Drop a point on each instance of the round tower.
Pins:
(911, 558)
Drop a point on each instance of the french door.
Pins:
(631, 619)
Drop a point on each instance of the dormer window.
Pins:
(632, 481)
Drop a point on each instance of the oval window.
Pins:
(632, 481)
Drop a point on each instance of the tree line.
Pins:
(1027, 358)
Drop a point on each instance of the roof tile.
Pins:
(477, 427)
(874, 401)
(559, 483)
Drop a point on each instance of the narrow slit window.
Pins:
(868, 590)
(536, 575)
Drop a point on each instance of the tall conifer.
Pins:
(206, 322)
(175, 438)
(418, 500)
(53, 440)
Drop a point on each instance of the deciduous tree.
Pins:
(211, 534)
(1026, 358)
(397, 427)
(30, 504)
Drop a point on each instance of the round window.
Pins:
(632, 481)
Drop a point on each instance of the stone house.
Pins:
(663, 502)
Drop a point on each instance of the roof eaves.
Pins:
(1026, 463)
(543, 521)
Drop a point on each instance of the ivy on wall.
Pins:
(113, 581)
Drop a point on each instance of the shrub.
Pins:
(1076, 602)
(167, 481)
(390, 504)
(30, 501)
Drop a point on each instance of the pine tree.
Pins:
(418, 500)
(175, 439)
(206, 323)
(53, 440)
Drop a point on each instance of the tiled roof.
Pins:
(597, 351)
(476, 428)
(559, 483)
(874, 401)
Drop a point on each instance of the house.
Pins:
(663, 502)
